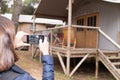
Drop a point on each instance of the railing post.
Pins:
(107, 37)
(69, 33)
(51, 38)
(33, 31)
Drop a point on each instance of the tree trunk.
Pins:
(16, 12)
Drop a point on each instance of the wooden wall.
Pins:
(109, 20)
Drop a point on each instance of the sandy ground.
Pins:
(85, 72)
(30, 65)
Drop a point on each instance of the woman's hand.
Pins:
(44, 46)
(18, 39)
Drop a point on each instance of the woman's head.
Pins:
(7, 53)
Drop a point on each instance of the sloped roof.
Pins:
(57, 9)
(52, 9)
(28, 19)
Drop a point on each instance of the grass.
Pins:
(85, 72)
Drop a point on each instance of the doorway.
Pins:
(87, 38)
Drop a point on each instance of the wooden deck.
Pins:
(77, 52)
(84, 53)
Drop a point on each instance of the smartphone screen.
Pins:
(34, 39)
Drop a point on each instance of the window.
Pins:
(88, 20)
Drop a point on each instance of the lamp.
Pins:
(113, 1)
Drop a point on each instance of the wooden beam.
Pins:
(79, 64)
(107, 37)
(61, 61)
(33, 27)
(108, 64)
(97, 66)
(33, 31)
(52, 16)
(51, 38)
(69, 36)
(86, 27)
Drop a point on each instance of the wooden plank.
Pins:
(81, 55)
(62, 63)
(51, 39)
(78, 65)
(108, 65)
(84, 51)
(118, 70)
(66, 35)
(106, 51)
(116, 63)
(107, 37)
(91, 38)
(113, 57)
(60, 27)
(97, 66)
(86, 27)
(69, 36)
(61, 48)
(80, 39)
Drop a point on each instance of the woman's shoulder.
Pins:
(23, 74)
(17, 69)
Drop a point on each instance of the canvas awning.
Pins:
(55, 9)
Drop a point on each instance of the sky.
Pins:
(11, 3)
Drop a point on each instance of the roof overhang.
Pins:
(55, 9)
(113, 1)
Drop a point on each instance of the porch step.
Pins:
(107, 52)
(111, 53)
(118, 71)
(116, 63)
(113, 58)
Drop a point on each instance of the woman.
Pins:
(8, 57)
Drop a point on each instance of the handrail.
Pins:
(88, 27)
(108, 64)
(110, 39)
(60, 27)
(66, 26)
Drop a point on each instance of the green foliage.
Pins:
(28, 10)
(27, 7)
(29, 2)
(3, 6)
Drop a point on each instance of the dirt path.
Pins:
(85, 72)
(28, 64)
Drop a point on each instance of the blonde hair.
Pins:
(7, 52)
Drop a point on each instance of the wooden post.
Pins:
(107, 37)
(33, 27)
(51, 38)
(79, 64)
(61, 61)
(97, 66)
(69, 32)
(33, 31)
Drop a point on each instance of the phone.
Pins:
(34, 39)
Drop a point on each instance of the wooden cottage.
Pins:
(92, 30)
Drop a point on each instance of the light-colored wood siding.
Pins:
(109, 20)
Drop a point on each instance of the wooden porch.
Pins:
(79, 40)
(84, 52)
